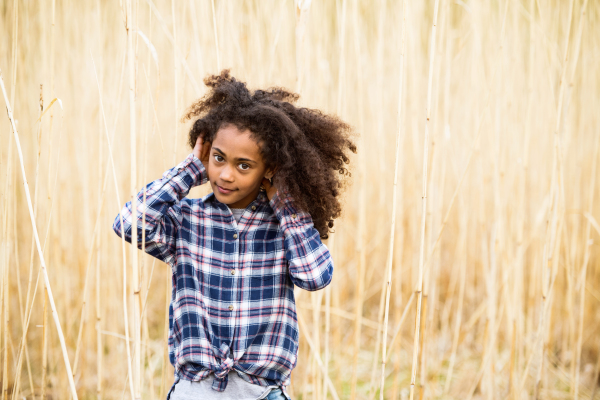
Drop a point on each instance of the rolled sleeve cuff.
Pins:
(288, 213)
(188, 173)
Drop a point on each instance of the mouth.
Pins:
(224, 190)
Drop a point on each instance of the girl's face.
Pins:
(235, 167)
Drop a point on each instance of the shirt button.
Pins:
(231, 307)
(253, 208)
(294, 216)
(233, 272)
(235, 235)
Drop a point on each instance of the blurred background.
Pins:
(494, 243)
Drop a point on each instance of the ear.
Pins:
(270, 172)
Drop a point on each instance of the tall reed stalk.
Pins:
(131, 62)
(587, 237)
(390, 261)
(419, 287)
(5, 275)
(40, 253)
(125, 314)
(23, 344)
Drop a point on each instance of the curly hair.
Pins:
(306, 148)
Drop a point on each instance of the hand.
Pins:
(202, 151)
(270, 189)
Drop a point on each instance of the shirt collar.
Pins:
(261, 198)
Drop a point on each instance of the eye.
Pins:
(218, 158)
(244, 167)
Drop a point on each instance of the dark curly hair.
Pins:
(306, 148)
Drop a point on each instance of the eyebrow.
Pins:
(238, 159)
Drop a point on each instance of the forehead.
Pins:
(237, 144)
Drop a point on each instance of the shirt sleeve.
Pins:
(310, 263)
(162, 209)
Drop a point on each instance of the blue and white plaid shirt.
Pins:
(232, 301)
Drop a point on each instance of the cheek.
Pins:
(250, 181)
(213, 171)
(210, 175)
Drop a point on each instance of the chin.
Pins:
(224, 199)
(219, 196)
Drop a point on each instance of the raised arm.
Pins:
(162, 209)
(311, 265)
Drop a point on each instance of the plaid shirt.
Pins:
(232, 301)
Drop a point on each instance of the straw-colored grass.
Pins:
(467, 259)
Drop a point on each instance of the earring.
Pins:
(262, 188)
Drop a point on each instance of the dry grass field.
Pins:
(467, 258)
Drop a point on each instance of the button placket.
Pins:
(236, 269)
(244, 216)
(234, 297)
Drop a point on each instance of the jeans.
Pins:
(275, 394)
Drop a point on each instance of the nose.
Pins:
(226, 174)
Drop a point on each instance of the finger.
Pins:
(205, 149)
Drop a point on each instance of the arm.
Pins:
(311, 265)
(162, 209)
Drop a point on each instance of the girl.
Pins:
(276, 171)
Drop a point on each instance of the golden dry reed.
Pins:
(467, 259)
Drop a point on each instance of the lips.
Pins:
(224, 190)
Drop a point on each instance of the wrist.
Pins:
(190, 172)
